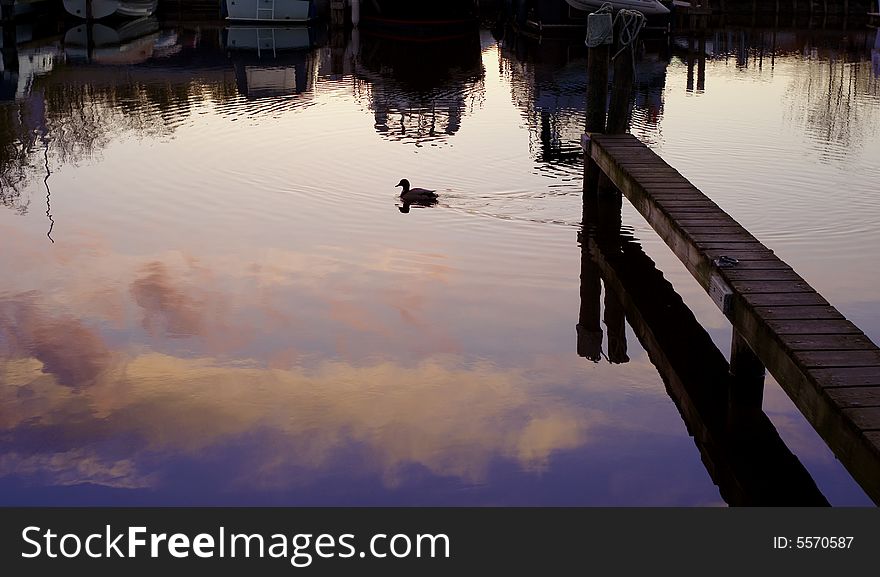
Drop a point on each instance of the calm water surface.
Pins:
(211, 296)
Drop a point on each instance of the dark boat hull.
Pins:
(417, 18)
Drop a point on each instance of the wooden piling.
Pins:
(619, 108)
(597, 98)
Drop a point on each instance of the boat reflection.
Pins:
(419, 89)
(97, 9)
(133, 42)
(271, 61)
(831, 90)
(875, 55)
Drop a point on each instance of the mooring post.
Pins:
(597, 87)
(597, 99)
(337, 13)
(747, 370)
(621, 90)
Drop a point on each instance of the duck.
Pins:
(415, 195)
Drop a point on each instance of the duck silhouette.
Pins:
(415, 195)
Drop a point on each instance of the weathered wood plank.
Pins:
(724, 231)
(710, 243)
(867, 418)
(811, 326)
(827, 342)
(741, 254)
(673, 194)
(855, 397)
(799, 313)
(672, 184)
(697, 221)
(611, 140)
(687, 210)
(649, 166)
(657, 188)
(771, 263)
(675, 203)
(833, 359)
(846, 377)
(744, 274)
(645, 173)
(706, 238)
(771, 286)
(777, 299)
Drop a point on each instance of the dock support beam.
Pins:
(747, 370)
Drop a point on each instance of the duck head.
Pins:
(405, 184)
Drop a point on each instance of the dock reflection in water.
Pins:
(232, 313)
(741, 448)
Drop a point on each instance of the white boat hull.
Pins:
(269, 10)
(103, 8)
(99, 8)
(253, 38)
(646, 7)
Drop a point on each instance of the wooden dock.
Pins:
(740, 447)
(825, 363)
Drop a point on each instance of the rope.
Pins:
(600, 29)
(632, 22)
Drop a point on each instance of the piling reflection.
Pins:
(832, 90)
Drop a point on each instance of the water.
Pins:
(212, 297)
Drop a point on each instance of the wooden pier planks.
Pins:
(826, 364)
